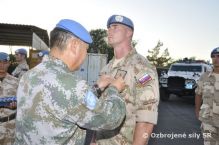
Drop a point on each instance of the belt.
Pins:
(8, 118)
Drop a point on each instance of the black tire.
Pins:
(164, 95)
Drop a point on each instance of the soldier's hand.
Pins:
(104, 81)
(119, 83)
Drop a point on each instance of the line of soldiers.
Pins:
(8, 87)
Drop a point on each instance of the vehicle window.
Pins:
(205, 69)
(189, 68)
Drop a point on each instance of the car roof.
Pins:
(188, 64)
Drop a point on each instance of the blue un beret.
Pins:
(76, 29)
(215, 51)
(4, 56)
(21, 51)
(121, 20)
(43, 52)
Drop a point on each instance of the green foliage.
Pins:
(12, 58)
(13, 63)
(157, 58)
(99, 44)
(134, 43)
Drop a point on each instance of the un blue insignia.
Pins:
(90, 100)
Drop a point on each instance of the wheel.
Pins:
(164, 95)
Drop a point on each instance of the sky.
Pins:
(188, 28)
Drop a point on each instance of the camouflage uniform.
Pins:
(51, 107)
(20, 69)
(141, 96)
(208, 88)
(8, 87)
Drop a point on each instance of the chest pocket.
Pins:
(208, 90)
(205, 111)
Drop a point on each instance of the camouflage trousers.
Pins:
(210, 134)
(7, 132)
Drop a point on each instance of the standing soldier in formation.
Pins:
(141, 93)
(21, 56)
(207, 102)
(8, 87)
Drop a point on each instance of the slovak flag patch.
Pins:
(144, 79)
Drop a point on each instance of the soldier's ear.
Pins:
(74, 50)
(74, 45)
(129, 32)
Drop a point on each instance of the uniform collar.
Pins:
(56, 61)
(23, 62)
(124, 61)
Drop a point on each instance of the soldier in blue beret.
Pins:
(21, 56)
(4, 56)
(142, 89)
(41, 54)
(214, 52)
(207, 101)
(21, 51)
(55, 106)
(8, 88)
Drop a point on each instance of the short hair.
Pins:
(59, 38)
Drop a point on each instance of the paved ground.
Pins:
(177, 117)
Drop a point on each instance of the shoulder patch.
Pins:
(90, 100)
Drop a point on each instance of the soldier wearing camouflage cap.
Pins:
(20, 55)
(55, 106)
(141, 93)
(207, 102)
(8, 88)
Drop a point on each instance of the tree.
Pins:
(158, 59)
(99, 44)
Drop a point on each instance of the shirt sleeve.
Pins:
(107, 113)
(147, 92)
(198, 90)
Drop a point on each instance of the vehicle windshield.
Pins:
(187, 68)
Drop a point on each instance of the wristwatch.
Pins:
(97, 90)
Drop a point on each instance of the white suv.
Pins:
(181, 79)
